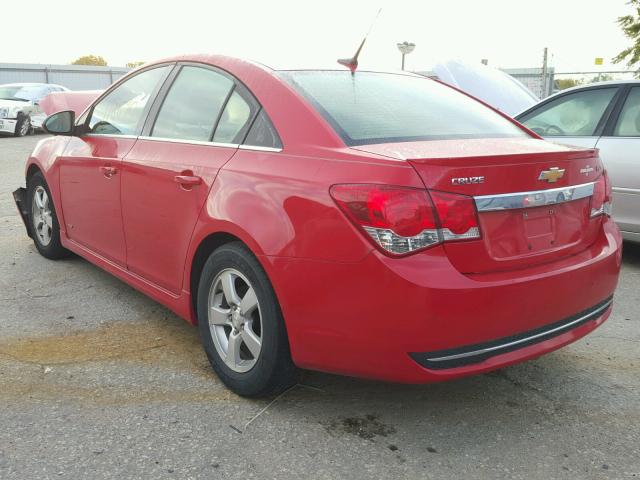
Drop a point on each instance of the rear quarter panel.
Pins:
(279, 205)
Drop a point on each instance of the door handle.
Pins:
(108, 171)
(188, 180)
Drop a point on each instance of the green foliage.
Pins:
(134, 64)
(630, 25)
(562, 83)
(604, 77)
(90, 60)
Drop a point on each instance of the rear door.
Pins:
(575, 118)
(90, 169)
(620, 151)
(194, 128)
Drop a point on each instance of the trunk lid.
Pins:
(512, 235)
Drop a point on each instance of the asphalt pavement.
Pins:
(98, 381)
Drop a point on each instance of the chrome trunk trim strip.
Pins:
(538, 198)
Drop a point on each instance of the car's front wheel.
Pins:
(23, 126)
(44, 227)
(241, 326)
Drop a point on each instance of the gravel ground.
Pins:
(98, 381)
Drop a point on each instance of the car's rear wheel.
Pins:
(23, 126)
(43, 220)
(241, 326)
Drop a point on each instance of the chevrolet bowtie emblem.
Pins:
(552, 175)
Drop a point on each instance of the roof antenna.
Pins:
(352, 63)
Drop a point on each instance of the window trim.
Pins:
(610, 128)
(238, 86)
(603, 122)
(83, 124)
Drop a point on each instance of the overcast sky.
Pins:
(509, 33)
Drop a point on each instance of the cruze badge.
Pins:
(467, 180)
(552, 175)
(587, 170)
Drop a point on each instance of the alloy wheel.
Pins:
(24, 128)
(41, 215)
(234, 320)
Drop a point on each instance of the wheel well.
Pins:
(32, 170)
(206, 247)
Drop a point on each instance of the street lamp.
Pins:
(405, 49)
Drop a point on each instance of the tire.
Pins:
(232, 271)
(43, 220)
(23, 126)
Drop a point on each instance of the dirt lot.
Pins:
(98, 381)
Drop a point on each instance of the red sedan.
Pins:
(372, 224)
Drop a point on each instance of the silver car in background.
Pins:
(19, 106)
(605, 115)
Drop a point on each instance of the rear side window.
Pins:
(263, 133)
(629, 121)
(193, 104)
(575, 114)
(235, 119)
(368, 107)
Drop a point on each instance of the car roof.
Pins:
(299, 65)
(597, 84)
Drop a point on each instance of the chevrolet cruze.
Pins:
(372, 224)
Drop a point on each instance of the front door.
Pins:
(90, 168)
(620, 153)
(168, 174)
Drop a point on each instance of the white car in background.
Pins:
(19, 106)
(606, 116)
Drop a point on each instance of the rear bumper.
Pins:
(472, 354)
(370, 318)
(19, 196)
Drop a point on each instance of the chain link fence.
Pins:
(547, 84)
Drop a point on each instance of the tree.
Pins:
(562, 83)
(603, 77)
(90, 60)
(134, 64)
(631, 27)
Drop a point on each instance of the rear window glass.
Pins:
(369, 107)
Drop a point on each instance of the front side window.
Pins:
(575, 115)
(122, 111)
(368, 107)
(193, 104)
(629, 121)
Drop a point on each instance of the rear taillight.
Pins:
(402, 220)
(601, 202)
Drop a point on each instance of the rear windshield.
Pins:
(369, 107)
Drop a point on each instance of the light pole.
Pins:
(405, 49)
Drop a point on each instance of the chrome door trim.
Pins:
(259, 148)
(537, 198)
(626, 190)
(189, 142)
(109, 135)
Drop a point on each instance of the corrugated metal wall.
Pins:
(74, 77)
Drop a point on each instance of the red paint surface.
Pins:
(348, 307)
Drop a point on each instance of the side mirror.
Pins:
(60, 123)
